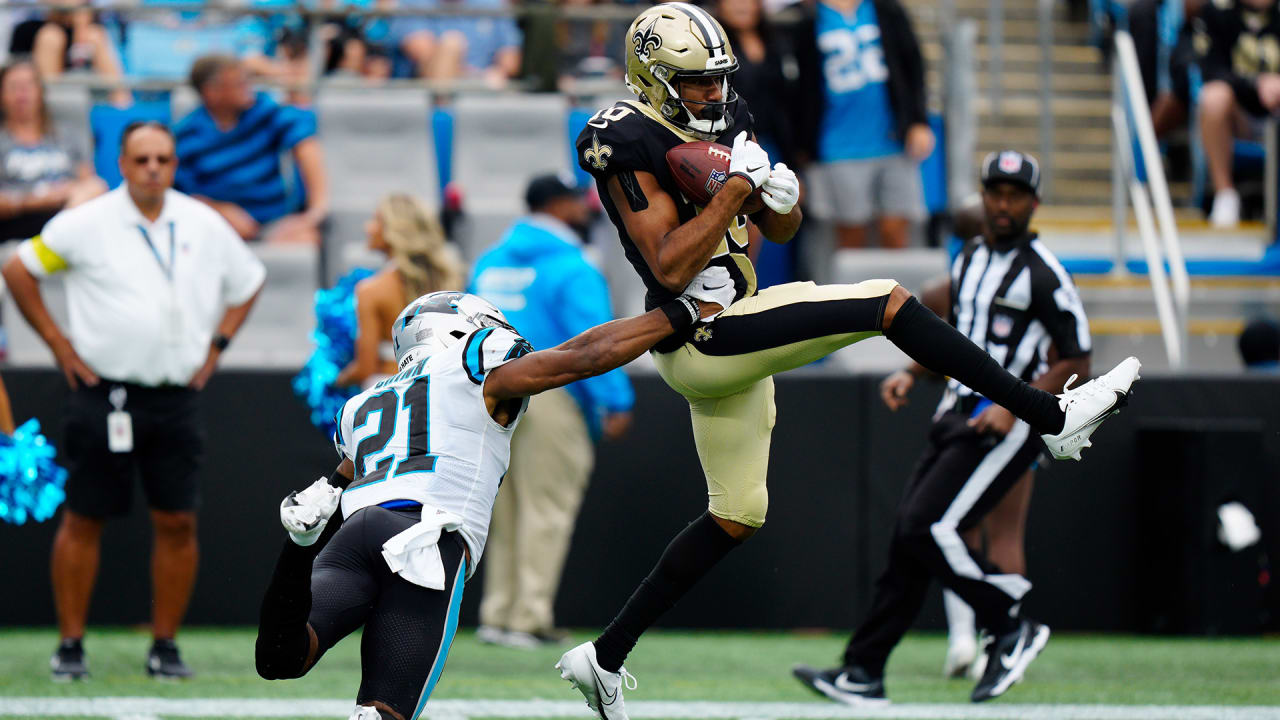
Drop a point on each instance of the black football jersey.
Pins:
(631, 136)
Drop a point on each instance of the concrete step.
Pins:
(1028, 82)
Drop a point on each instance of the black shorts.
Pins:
(408, 629)
(168, 442)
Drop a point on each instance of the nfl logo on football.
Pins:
(716, 181)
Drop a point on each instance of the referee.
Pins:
(156, 283)
(1010, 295)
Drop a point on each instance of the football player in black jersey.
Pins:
(679, 65)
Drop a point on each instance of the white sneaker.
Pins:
(961, 653)
(1226, 209)
(601, 688)
(491, 635)
(363, 712)
(979, 666)
(304, 514)
(1088, 405)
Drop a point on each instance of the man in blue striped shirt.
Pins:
(230, 149)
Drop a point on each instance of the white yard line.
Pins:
(145, 707)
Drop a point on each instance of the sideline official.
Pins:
(157, 283)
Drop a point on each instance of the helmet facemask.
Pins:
(717, 116)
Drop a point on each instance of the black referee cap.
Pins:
(1011, 166)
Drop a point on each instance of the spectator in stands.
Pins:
(231, 148)
(540, 279)
(448, 48)
(1260, 345)
(1168, 88)
(862, 104)
(1237, 45)
(409, 233)
(74, 41)
(40, 172)
(587, 48)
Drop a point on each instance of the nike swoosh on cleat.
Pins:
(609, 698)
(1008, 661)
(844, 683)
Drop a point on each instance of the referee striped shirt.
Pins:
(242, 165)
(1014, 303)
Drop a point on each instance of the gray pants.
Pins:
(855, 192)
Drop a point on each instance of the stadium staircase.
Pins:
(1235, 275)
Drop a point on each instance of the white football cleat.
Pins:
(961, 652)
(363, 712)
(601, 688)
(1088, 405)
(304, 514)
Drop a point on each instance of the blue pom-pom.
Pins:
(335, 339)
(30, 481)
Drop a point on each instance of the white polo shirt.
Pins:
(145, 297)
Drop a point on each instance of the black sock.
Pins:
(930, 341)
(691, 554)
(283, 640)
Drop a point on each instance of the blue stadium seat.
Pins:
(107, 124)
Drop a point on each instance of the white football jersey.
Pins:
(425, 435)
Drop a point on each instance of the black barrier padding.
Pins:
(838, 465)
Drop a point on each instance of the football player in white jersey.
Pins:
(423, 455)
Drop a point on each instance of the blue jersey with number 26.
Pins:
(857, 122)
(426, 435)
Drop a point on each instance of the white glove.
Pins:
(781, 190)
(304, 514)
(749, 160)
(712, 285)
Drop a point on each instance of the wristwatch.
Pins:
(220, 342)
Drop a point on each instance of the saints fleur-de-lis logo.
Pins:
(645, 41)
(597, 154)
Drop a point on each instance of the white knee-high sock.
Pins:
(960, 618)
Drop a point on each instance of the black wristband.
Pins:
(682, 312)
(220, 342)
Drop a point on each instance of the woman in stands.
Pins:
(410, 234)
(74, 40)
(41, 172)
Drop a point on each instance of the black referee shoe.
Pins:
(849, 685)
(164, 662)
(68, 661)
(1008, 657)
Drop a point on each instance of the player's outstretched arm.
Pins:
(594, 352)
(675, 253)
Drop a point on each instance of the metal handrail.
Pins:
(1131, 116)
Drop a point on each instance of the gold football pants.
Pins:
(726, 373)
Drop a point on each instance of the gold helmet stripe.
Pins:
(710, 35)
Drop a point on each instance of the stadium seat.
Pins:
(108, 122)
(69, 107)
(375, 143)
(499, 142)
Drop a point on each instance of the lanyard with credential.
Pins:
(167, 269)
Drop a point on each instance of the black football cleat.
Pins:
(68, 662)
(164, 662)
(848, 685)
(1008, 657)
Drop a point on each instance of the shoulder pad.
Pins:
(489, 348)
(613, 140)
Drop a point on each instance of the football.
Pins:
(700, 169)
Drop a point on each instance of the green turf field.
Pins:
(742, 675)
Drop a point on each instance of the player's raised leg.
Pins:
(287, 645)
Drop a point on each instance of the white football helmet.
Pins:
(437, 320)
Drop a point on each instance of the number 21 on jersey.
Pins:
(377, 456)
